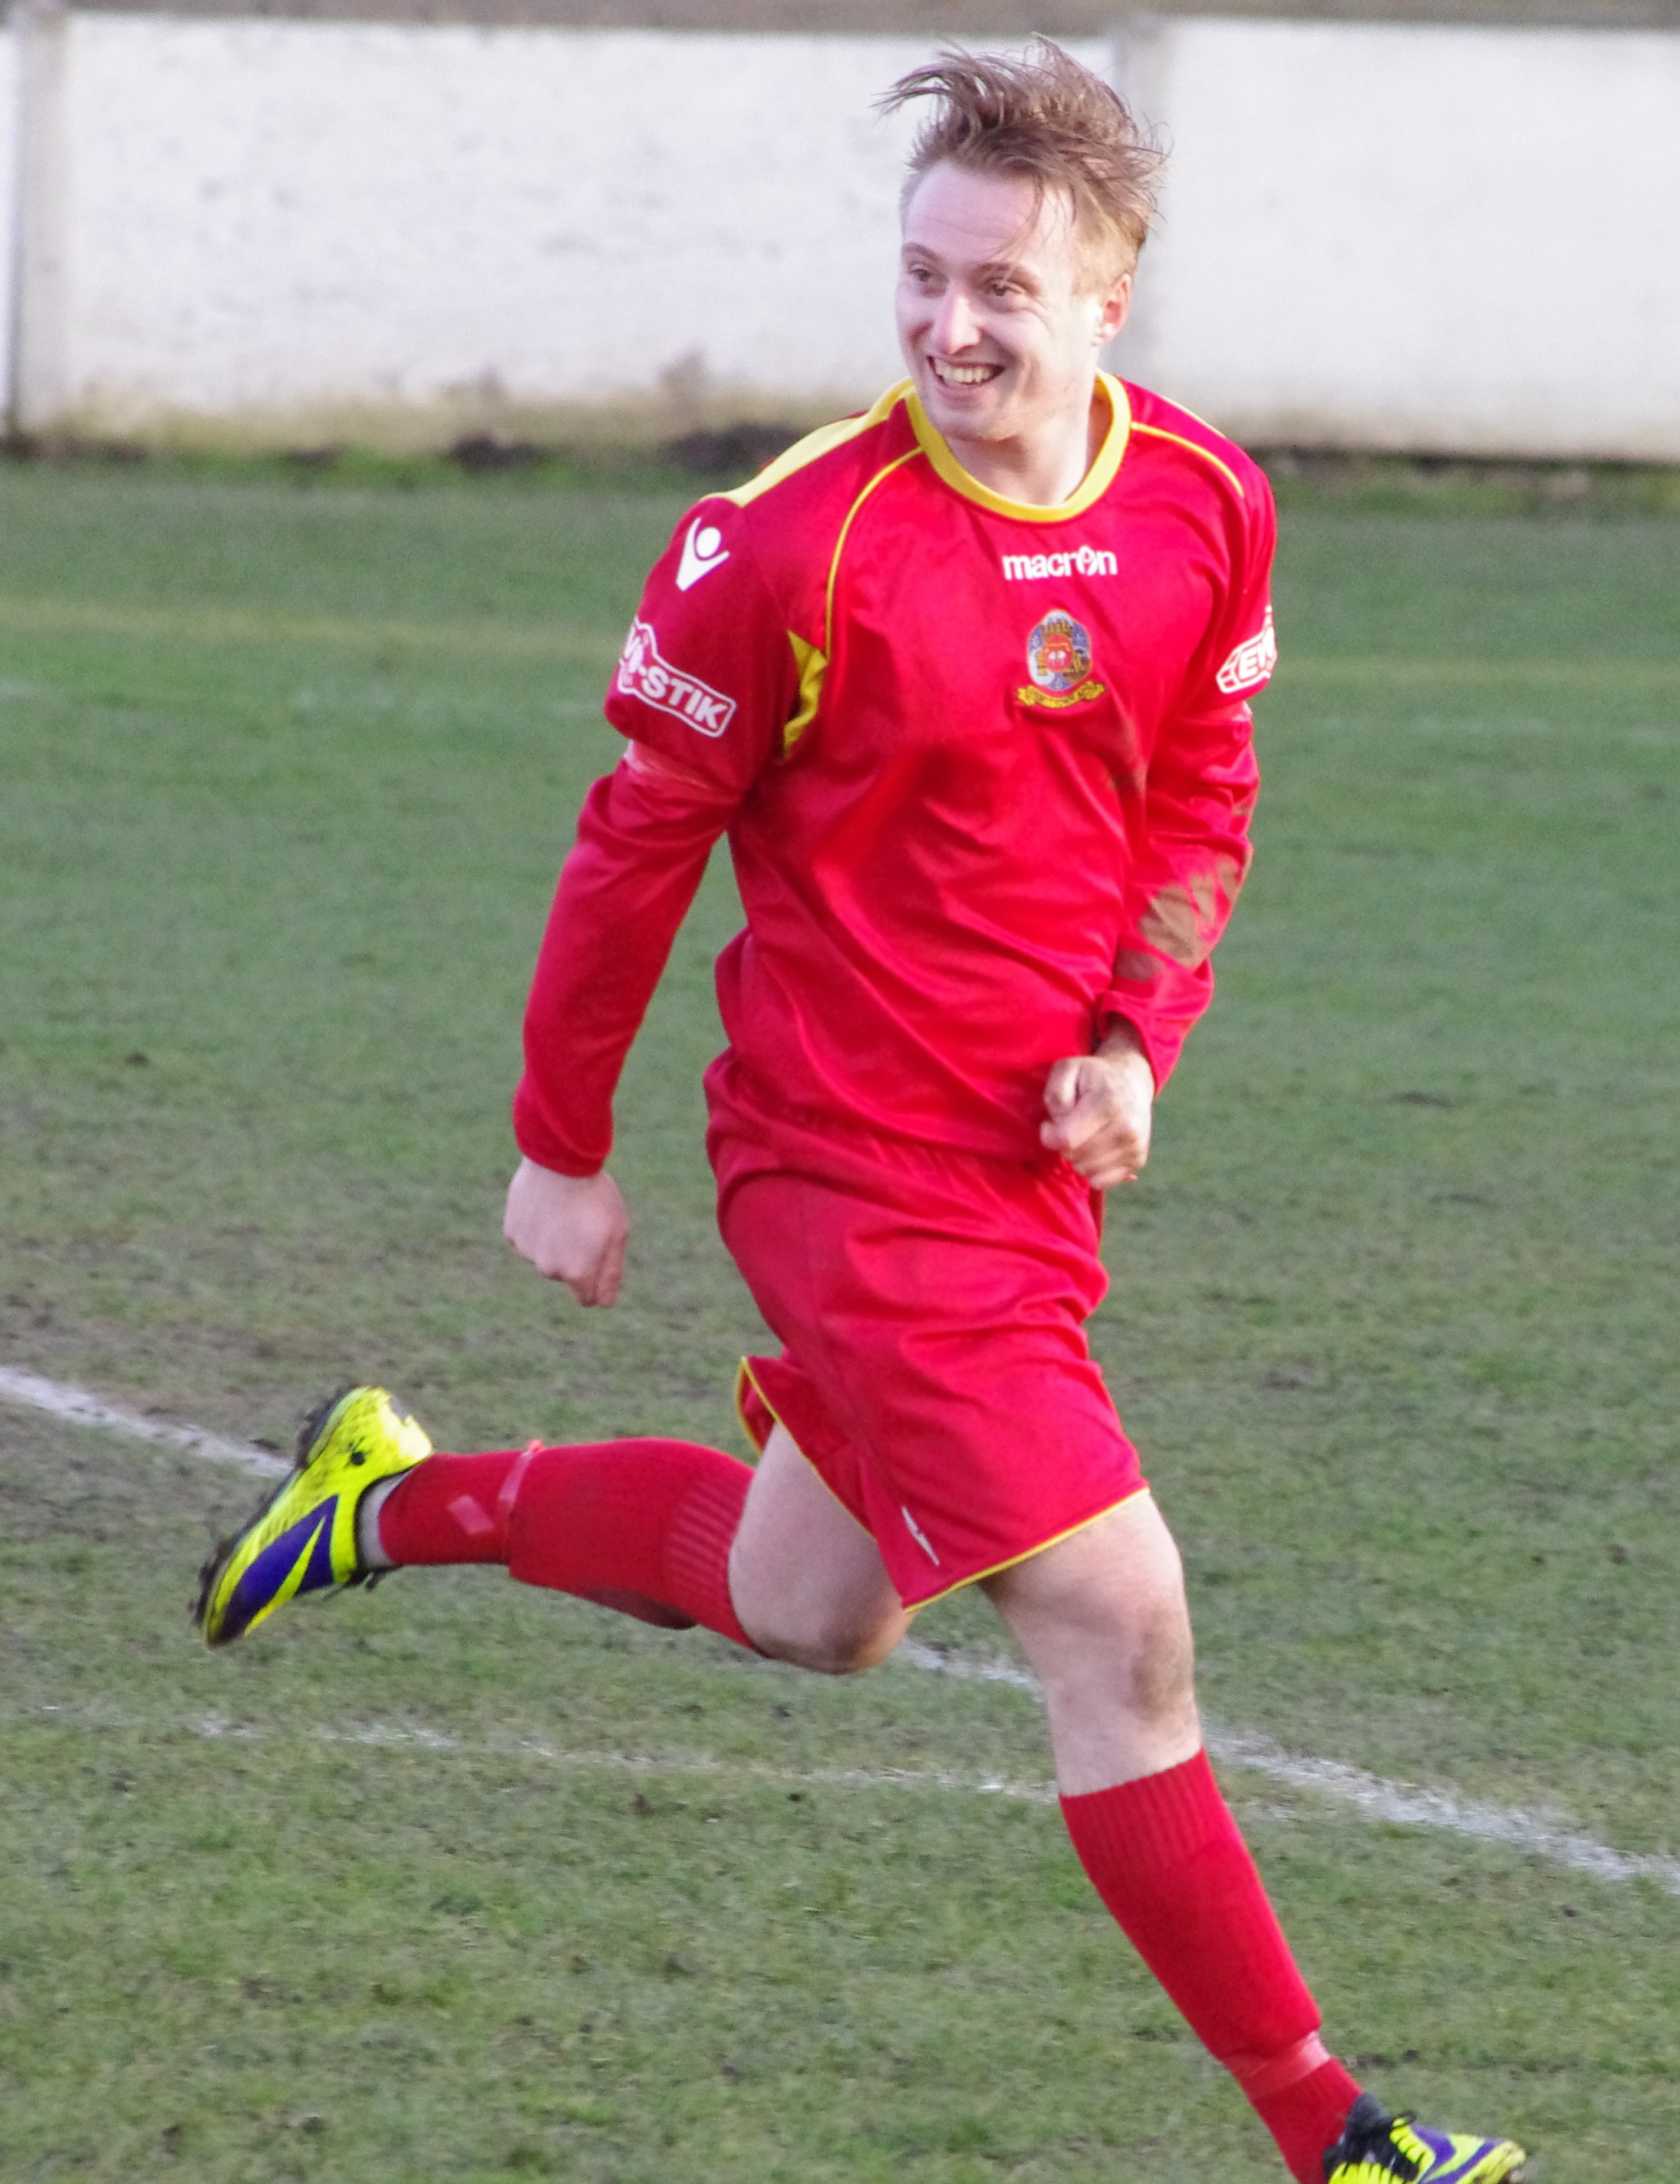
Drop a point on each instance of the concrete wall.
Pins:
(309, 222)
(10, 240)
(1416, 237)
(1422, 237)
(285, 213)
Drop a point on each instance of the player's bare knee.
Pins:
(837, 1643)
(1161, 1668)
(848, 1644)
(1128, 1651)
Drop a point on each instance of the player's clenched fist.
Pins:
(572, 1228)
(1100, 1107)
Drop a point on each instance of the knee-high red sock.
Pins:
(1167, 1858)
(644, 1526)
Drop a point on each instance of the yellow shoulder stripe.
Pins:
(815, 444)
(886, 471)
(1158, 432)
(813, 663)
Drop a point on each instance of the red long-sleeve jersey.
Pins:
(986, 771)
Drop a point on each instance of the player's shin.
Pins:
(1167, 1858)
(642, 1526)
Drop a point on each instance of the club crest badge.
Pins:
(1059, 661)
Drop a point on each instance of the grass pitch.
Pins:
(457, 1881)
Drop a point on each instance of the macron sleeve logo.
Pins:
(703, 551)
(641, 673)
(1252, 662)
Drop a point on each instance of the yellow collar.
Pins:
(1091, 487)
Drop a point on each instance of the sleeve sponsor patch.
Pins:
(1252, 662)
(641, 673)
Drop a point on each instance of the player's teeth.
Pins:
(965, 375)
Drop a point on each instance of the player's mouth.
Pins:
(964, 375)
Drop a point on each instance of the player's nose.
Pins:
(955, 325)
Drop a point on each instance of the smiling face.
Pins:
(999, 317)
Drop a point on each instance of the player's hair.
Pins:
(1043, 117)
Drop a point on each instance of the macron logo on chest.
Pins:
(1082, 561)
(641, 673)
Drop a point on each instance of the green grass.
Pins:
(288, 773)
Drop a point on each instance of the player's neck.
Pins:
(1040, 469)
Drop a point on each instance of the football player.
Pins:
(966, 681)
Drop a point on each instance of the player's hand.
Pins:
(572, 1228)
(1100, 1107)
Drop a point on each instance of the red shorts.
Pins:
(932, 1305)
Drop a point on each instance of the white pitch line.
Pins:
(1408, 1806)
(1369, 1794)
(82, 1409)
(1399, 1804)
(702, 1763)
(382, 1735)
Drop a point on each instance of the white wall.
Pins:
(10, 104)
(1420, 236)
(1424, 237)
(285, 216)
(331, 209)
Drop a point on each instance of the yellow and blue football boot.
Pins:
(1376, 2148)
(303, 1539)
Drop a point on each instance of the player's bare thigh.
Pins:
(806, 1580)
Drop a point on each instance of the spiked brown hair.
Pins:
(1047, 119)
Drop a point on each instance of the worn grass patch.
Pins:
(288, 776)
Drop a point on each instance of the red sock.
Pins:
(1165, 1856)
(644, 1526)
(445, 1510)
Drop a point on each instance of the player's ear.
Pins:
(1116, 303)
